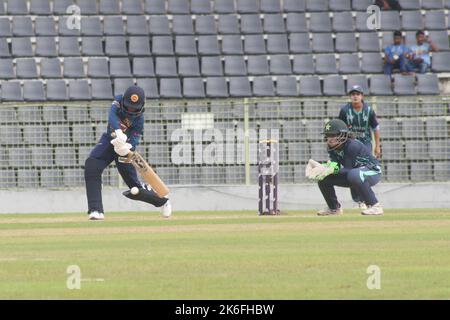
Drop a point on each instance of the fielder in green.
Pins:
(361, 120)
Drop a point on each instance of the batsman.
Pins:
(351, 165)
(125, 127)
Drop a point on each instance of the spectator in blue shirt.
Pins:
(396, 56)
(421, 60)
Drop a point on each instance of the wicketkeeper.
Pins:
(126, 124)
(351, 165)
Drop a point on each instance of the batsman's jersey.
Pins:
(131, 126)
(360, 122)
(354, 154)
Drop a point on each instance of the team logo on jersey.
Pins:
(134, 98)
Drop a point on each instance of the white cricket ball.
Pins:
(134, 191)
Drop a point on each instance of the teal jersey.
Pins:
(360, 123)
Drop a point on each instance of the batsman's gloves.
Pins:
(123, 149)
(120, 135)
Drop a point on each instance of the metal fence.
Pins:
(204, 142)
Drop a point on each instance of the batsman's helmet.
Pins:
(336, 128)
(133, 101)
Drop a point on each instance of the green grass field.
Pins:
(226, 255)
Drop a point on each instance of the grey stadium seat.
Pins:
(45, 47)
(391, 128)
(98, 68)
(53, 113)
(333, 86)
(119, 67)
(435, 20)
(22, 27)
(182, 25)
(396, 172)
(361, 19)
(139, 46)
(79, 90)
(438, 149)
(319, 22)
(185, 46)
(251, 23)
(349, 63)
(240, 87)
(441, 170)
(73, 68)
(44, 26)
(296, 22)
(7, 69)
(322, 42)
(257, 65)
(188, 67)
(211, 66)
(274, 23)
(132, 7)
(359, 80)
(162, 45)
(427, 84)
(101, 89)
(437, 128)
(404, 85)
(4, 48)
(40, 7)
(303, 64)
(5, 27)
(26, 68)
(342, 22)
(51, 68)
(166, 67)
(270, 6)
(121, 84)
(345, 42)
(294, 5)
(150, 87)
(17, 7)
(325, 63)
(29, 114)
(155, 6)
(280, 64)
(193, 88)
(216, 87)
(368, 42)
(440, 62)
(390, 20)
(421, 171)
(91, 26)
(115, 46)
(21, 47)
(88, 7)
(299, 43)
(392, 150)
(200, 6)
(440, 38)
(247, 6)
(68, 46)
(92, 46)
(109, 7)
(310, 86)
(178, 7)
(170, 88)
(286, 86)
(380, 85)
(56, 90)
(159, 25)
(65, 28)
(314, 129)
(113, 26)
(254, 44)
(235, 66)
(19, 157)
(228, 24)
(33, 90)
(277, 44)
(28, 178)
(65, 156)
(143, 67)
(412, 20)
(232, 44)
(205, 25)
(432, 4)
(263, 87)
(416, 150)
(137, 26)
(11, 91)
(60, 6)
(224, 6)
(317, 5)
(208, 45)
(410, 4)
(413, 128)
(371, 62)
(340, 5)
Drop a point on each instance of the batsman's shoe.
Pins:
(374, 210)
(95, 215)
(330, 212)
(360, 205)
(166, 209)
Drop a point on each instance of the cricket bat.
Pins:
(146, 173)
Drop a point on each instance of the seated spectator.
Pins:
(388, 4)
(421, 60)
(396, 56)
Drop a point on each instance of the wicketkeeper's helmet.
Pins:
(338, 129)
